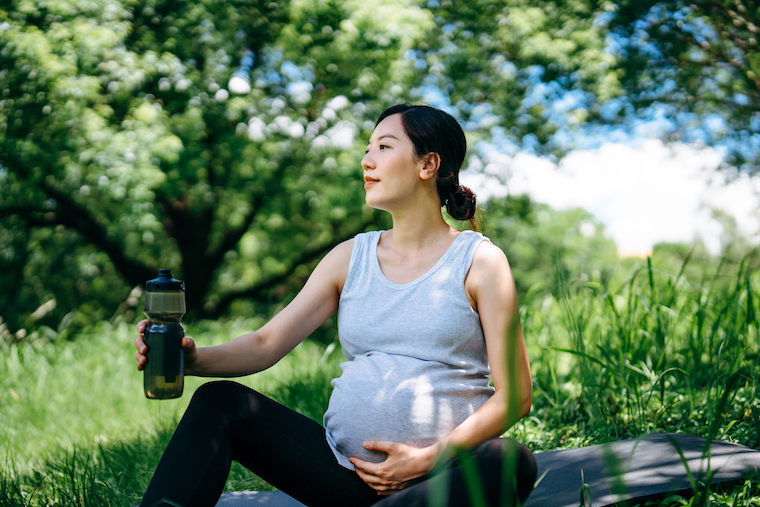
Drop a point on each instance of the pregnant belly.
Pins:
(397, 399)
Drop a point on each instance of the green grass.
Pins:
(654, 355)
(657, 351)
(77, 430)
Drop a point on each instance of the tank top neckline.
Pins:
(400, 286)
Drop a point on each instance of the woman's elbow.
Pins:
(525, 403)
(525, 408)
(517, 405)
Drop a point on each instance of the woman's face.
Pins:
(391, 168)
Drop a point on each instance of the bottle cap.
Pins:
(164, 282)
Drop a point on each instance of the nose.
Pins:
(367, 161)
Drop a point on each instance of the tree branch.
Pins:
(258, 291)
(12, 291)
(21, 211)
(232, 238)
(75, 216)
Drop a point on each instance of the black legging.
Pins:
(227, 421)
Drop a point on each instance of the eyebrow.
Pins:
(383, 137)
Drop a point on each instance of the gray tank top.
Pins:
(416, 358)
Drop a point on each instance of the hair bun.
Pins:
(461, 203)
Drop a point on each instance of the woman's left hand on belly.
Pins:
(403, 465)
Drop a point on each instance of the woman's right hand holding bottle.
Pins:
(188, 345)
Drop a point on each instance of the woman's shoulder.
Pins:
(490, 277)
(484, 250)
(489, 256)
(338, 260)
(489, 262)
(341, 252)
(345, 248)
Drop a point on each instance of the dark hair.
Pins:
(434, 131)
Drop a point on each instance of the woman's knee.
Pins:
(498, 449)
(221, 397)
(523, 467)
(217, 391)
(499, 453)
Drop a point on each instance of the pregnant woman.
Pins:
(436, 361)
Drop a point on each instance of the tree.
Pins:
(536, 237)
(698, 64)
(122, 145)
(528, 72)
(520, 71)
(123, 151)
(116, 126)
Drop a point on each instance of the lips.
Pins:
(369, 181)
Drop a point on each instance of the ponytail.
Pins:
(460, 203)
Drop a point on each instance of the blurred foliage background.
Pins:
(124, 150)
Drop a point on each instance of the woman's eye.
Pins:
(383, 146)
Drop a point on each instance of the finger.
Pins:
(372, 481)
(188, 343)
(359, 467)
(380, 445)
(140, 344)
(368, 478)
(380, 486)
(140, 360)
(370, 473)
(365, 466)
(142, 325)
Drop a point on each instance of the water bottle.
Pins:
(164, 307)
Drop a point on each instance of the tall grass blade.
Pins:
(472, 478)
(585, 493)
(612, 464)
(701, 495)
(438, 491)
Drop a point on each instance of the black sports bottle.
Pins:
(164, 307)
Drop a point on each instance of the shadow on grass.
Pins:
(102, 475)
(117, 473)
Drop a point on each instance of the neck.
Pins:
(418, 226)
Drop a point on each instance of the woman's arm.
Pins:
(491, 289)
(253, 352)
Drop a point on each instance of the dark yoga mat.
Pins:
(650, 468)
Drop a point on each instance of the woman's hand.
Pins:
(403, 465)
(188, 345)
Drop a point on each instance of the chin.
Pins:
(374, 203)
(370, 200)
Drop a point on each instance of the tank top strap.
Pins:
(468, 242)
(361, 256)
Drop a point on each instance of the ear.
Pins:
(430, 165)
